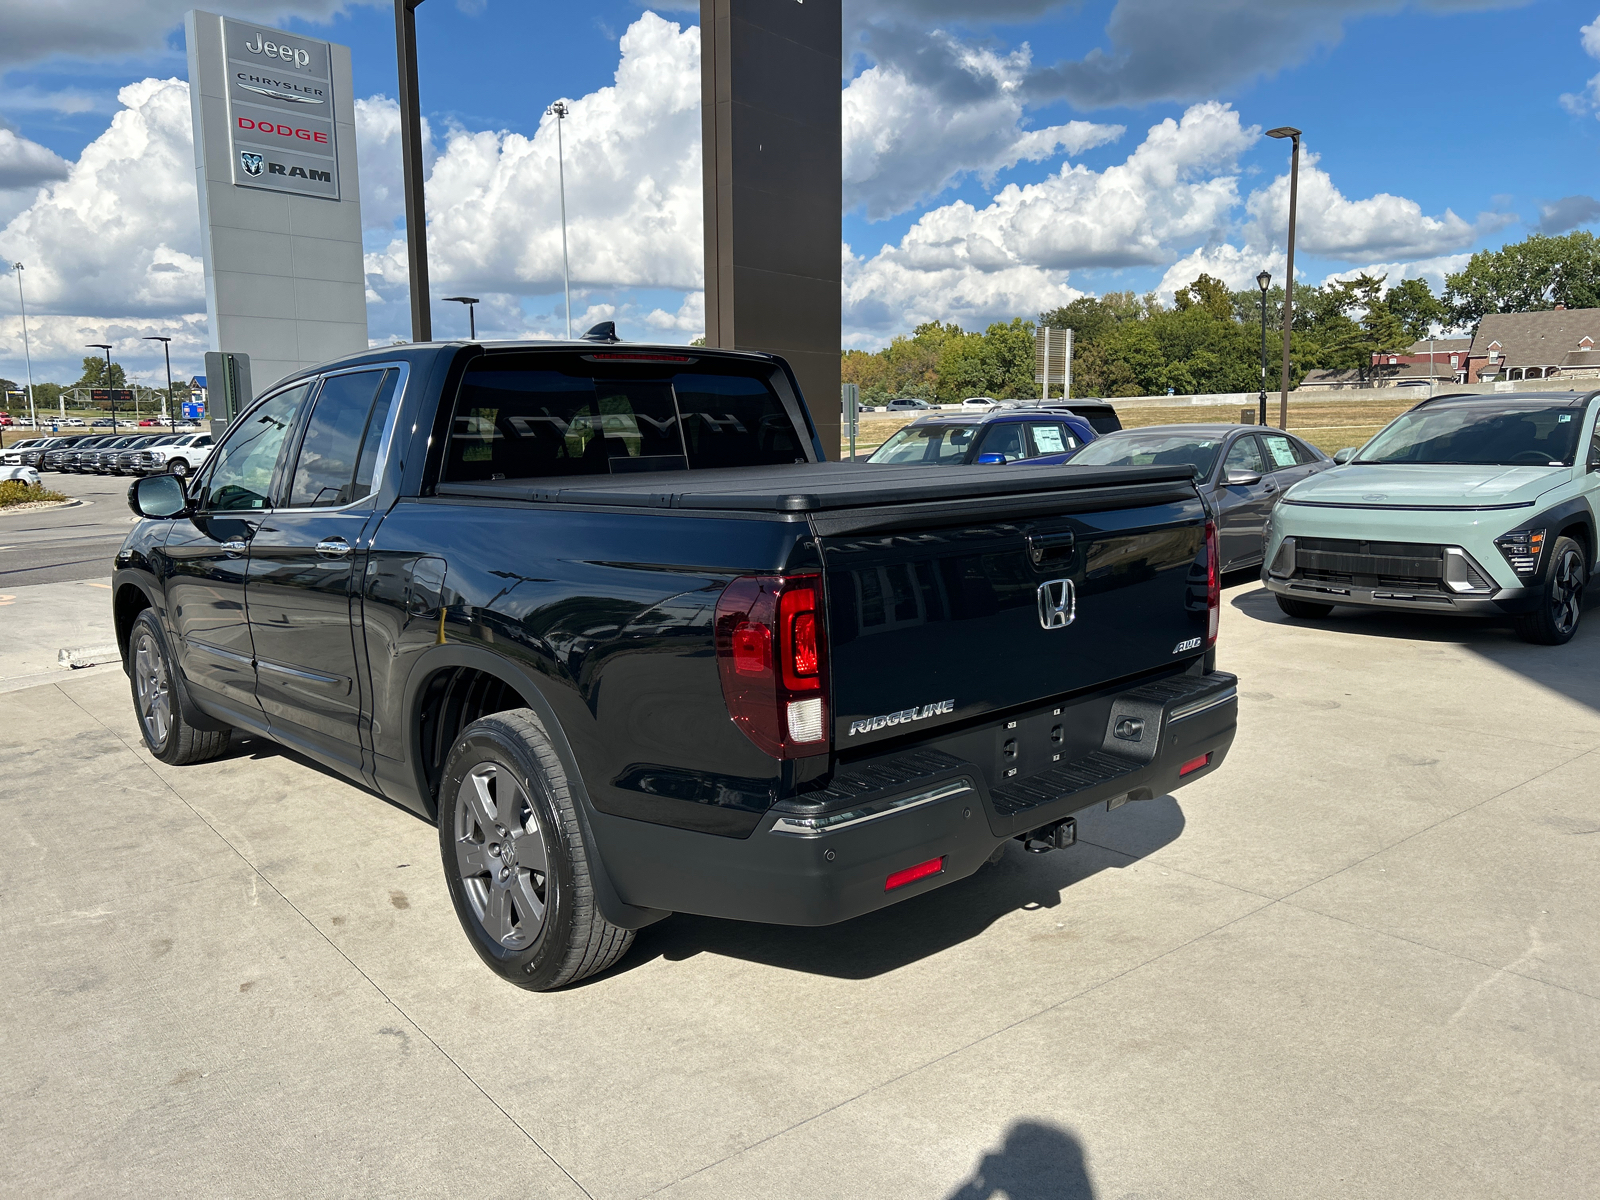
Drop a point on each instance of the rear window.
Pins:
(527, 416)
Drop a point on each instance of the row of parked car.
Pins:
(116, 454)
(1466, 504)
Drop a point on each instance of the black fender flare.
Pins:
(437, 658)
(1575, 511)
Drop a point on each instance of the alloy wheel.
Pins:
(501, 856)
(155, 693)
(1566, 591)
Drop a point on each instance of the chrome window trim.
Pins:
(825, 823)
(384, 442)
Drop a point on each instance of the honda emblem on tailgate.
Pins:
(1058, 604)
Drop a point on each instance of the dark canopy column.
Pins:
(770, 113)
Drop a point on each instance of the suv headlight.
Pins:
(1521, 549)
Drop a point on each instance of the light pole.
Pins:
(472, 317)
(27, 354)
(166, 350)
(1263, 281)
(560, 111)
(405, 38)
(110, 391)
(1288, 131)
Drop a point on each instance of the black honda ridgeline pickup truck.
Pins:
(606, 614)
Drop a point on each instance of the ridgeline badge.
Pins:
(904, 717)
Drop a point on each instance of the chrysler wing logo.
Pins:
(278, 95)
(1058, 604)
(250, 162)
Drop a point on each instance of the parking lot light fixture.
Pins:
(111, 391)
(559, 110)
(1288, 131)
(1263, 281)
(472, 316)
(27, 353)
(166, 350)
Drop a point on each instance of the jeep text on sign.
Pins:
(280, 111)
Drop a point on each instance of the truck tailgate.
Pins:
(933, 619)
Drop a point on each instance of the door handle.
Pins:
(235, 547)
(334, 547)
(1271, 487)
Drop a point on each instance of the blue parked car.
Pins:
(1006, 435)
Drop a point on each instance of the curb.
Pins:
(41, 506)
(88, 656)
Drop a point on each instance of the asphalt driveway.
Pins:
(1363, 959)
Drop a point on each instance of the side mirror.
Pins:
(158, 497)
(1241, 479)
(992, 460)
(1345, 455)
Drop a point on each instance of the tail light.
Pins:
(772, 654)
(1213, 584)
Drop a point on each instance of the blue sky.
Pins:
(1449, 107)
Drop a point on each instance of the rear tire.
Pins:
(159, 699)
(1555, 620)
(515, 859)
(1307, 610)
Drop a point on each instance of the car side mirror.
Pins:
(1241, 479)
(158, 497)
(992, 460)
(1343, 456)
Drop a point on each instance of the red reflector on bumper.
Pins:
(1194, 764)
(911, 874)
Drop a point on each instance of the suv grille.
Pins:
(1416, 566)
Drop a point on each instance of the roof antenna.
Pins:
(606, 331)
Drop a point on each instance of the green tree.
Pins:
(1416, 307)
(1207, 293)
(1088, 317)
(95, 376)
(1375, 331)
(1528, 276)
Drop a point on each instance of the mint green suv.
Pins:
(1475, 505)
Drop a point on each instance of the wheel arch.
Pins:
(440, 701)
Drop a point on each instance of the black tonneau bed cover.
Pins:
(820, 487)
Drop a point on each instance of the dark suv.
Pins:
(1004, 435)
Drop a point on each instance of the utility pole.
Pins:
(405, 36)
(1288, 131)
(560, 111)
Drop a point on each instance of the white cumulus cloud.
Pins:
(908, 138)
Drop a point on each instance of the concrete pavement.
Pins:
(63, 544)
(1362, 959)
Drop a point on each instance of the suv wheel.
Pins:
(1555, 620)
(515, 857)
(158, 699)
(1308, 610)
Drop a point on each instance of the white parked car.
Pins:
(980, 403)
(180, 458)
(11, 456)
(28, 475)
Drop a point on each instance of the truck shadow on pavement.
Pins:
(1038, 1161)
(924, 925)
(1572, 670)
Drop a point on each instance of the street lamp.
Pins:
(27, 354)
(1263, 281)
(1288, 131)
(472, 317)
(110, 391)
(559, 110)
(166, 350)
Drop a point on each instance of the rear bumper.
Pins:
(829, 860)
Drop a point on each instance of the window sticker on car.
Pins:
(1048, 439)
(1563, 418)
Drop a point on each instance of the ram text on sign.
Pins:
(280, 111)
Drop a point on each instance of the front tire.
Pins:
(1556, 618)
(158, 699)
(515, 859)
(179, 468)
(1307, 610)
